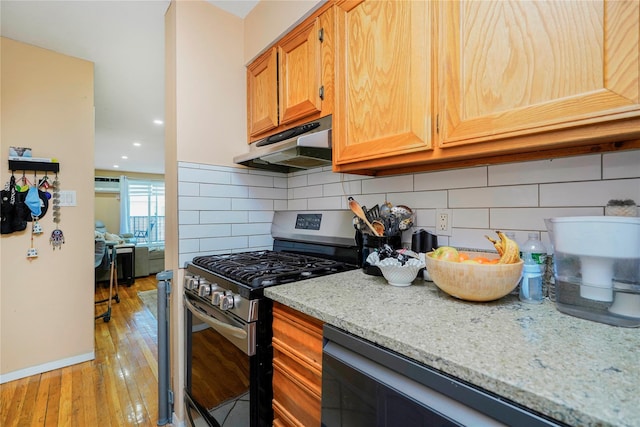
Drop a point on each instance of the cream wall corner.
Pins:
(46, 304)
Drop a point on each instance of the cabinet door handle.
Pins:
(321, 92)
(321, 35)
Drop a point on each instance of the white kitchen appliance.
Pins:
(597, 267)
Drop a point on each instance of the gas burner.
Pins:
(266, 268)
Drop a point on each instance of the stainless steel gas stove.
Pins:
(228, 319)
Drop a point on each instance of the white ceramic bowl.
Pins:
(395, 273)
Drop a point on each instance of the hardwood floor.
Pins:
(118, 388)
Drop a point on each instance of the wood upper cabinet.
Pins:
(383, 95)
(510, 68)
(262, 93)
(297, 368)
(293, 81)
(509, 81)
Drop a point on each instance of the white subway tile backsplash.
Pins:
(344, 189)
(420, 199)
(445, 180)
(297, 205)
(518, 196)
(622, 164)
(267, 193)
(306, 192)
(324, 177)
(280, 182)
(325, 203)
(388, 184)
(589, 193)
(204, 176)
(280, 205)
(472, 238)
(188, 217)
(190, 203)
(218, 190)
(188, 245)
(223, 217)
(251, 204)
(224, 244)
(513, 197)
(250, 229)
(470, 218)
(263, 241)
(297, 181)
(533, 218)
(261, 216)
(425, 218)
(188, 188)
(245, 179)
(539, 171)
(203, 230)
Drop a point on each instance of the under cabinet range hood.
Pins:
(302, 147)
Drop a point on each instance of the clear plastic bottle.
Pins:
(531, 283)
(537, 250)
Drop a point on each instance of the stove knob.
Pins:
(204, 290)
(192, 282)
(216, 297)
(227, 302)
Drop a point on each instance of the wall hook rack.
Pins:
(25, 165)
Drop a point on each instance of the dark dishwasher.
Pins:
(366, 385)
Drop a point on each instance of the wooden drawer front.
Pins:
(298, 332)
(293, 400)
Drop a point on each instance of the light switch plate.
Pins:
(68, 198)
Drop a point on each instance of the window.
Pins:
(146, 211)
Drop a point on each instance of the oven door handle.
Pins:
(215, 323)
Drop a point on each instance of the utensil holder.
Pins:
(372, 243)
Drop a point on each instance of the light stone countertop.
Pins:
(580, 372)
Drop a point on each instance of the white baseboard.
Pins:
(45, 367)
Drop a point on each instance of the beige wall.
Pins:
(270, 20)
(206, 50)
(210, 92)
(46, 304)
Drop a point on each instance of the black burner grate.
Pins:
(266, 268)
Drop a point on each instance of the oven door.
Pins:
(218, 349)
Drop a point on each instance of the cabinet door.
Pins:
(297, 368)
(262, 93)
(382, 81)
(514, 68)
(300, 70)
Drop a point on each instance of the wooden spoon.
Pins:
(378, 226)
(357, 209)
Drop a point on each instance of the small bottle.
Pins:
(537, 250)
(531, 283)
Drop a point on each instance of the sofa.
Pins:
(146, 260)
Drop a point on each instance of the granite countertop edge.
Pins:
(332, 299)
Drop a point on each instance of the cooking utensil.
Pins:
(379, 226)
(357, 209)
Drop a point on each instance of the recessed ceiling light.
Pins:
(158, 121)
(125, 157)
(137, 144)
(116, 166)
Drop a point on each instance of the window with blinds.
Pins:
(146, 211)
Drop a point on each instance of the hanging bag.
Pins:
(12, 209)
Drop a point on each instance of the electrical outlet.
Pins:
(443, 222)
